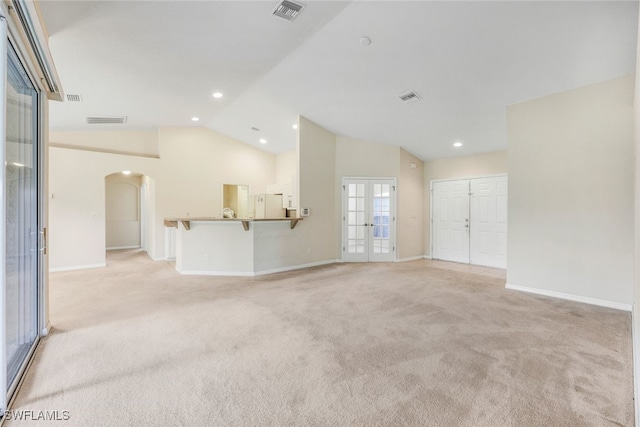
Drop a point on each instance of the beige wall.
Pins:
(188, 177)
(286, 166)
(410, 205)
(141, 143)
(316, 150)
(457, 167)
(77, 189)
(357, 158)
(571, 192)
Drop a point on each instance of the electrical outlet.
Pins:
(308, 251)
(93, 215)
(206, 257)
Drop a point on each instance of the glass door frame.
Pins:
(9, 40)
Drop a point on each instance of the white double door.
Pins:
(469, 221)
(368, 218)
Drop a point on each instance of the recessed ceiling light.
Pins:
(126, 172)
(295, 126)
(365, 41)
(457, 144)
(195, 119)
(263, 141)
(217, 95)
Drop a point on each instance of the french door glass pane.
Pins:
(21, 227)
(381, 217)
(356, 218)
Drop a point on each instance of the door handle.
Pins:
(365, 224)
(43, 249)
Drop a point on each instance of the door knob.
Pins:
(365, 224)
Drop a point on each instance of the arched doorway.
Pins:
(128, 198)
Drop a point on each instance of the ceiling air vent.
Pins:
(288, 10)
(107, 120)
(74, 98)
(409, 96)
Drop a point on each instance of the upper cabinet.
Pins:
(286, 190)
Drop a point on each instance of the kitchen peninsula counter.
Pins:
(186, 222)
(237, 246)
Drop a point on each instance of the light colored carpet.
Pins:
(416, 344)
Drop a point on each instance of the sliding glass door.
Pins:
(22, 236)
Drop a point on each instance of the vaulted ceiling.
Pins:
(159, 62)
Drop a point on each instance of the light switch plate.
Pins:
(305, 212)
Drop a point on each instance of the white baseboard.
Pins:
(295, 267)
(115, 248)
(163, 259)
(427, 257)
(45, 331)
(215, 273)
(411, 258)
(256, 273)
(76, 267)
(569, 297)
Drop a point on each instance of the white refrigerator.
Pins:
(268, 206)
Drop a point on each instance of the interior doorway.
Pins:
(127, 211)
(235, 201)
(368, 218)
(469, 220)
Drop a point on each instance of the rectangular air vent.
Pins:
(74, 98)
(113, 120)
(409, 96)
(288, 10)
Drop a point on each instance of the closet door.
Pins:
(450, 225)
(488, 215)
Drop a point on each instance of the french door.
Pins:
(23, 240)
(368, 218)
(469, 221)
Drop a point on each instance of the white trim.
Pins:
(76, 267)
(427, 257)
(494, 175)
(569, 297)
(115, 248)
(295, 267)
(411, 258)
(256, 273)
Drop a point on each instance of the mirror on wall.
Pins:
(235, 201)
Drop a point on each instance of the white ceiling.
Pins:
(158, 62)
